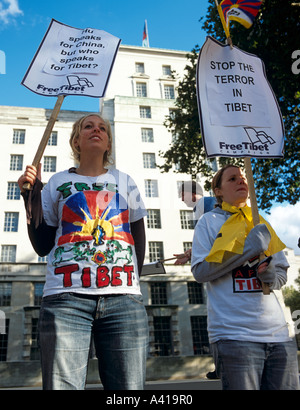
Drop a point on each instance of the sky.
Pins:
(285, 219)
(23, 24)
(172, 24)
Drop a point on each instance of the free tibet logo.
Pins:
(75, 84)
(258, 141)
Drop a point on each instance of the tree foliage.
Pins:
(273, 37)
(292, 296)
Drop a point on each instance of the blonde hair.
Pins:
(77, 127)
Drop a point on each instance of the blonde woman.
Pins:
(89, 220)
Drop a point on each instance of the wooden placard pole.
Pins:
(247, 161)
(46, 136)
(171, 259)
(254, 208)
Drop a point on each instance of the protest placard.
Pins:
(239, 113)
(72, 61)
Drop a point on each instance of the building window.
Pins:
(4, 342)
(38, 293)
(151, 188)
(145, 112)
(187, 246)
(156, 251)
(141, 89)
(149, 160)
(5, 293)
(162, 336)
(153, 219)
(166, 70)
(147, 135)
(19, 137)
(34, 349)
(175, 138)
(13, 191)
(16, 162)
(11, 221)
(8, 253)
(186, 220)
(159, 293)
(200, 335)
(140, 68)
(172, 113)
(169, 92)
(49, 164)
(195, 292)
(53, 138)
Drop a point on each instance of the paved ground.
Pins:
(201, 384)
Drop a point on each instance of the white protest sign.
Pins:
(72, 61)
(239, 114)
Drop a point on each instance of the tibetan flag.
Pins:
(93, 215)
(145, 36)
(242, 11)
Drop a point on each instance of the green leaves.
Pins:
(273, 37)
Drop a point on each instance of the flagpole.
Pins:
(247, 160)
(147, 34)
(254, 209)
(225, 27)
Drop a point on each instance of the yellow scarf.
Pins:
(232, 235)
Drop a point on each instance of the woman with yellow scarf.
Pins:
(249, 336)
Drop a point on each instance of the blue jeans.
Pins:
(119, 326)
(256, 366)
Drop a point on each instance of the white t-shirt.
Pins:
(94, 250)
(237, 308)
